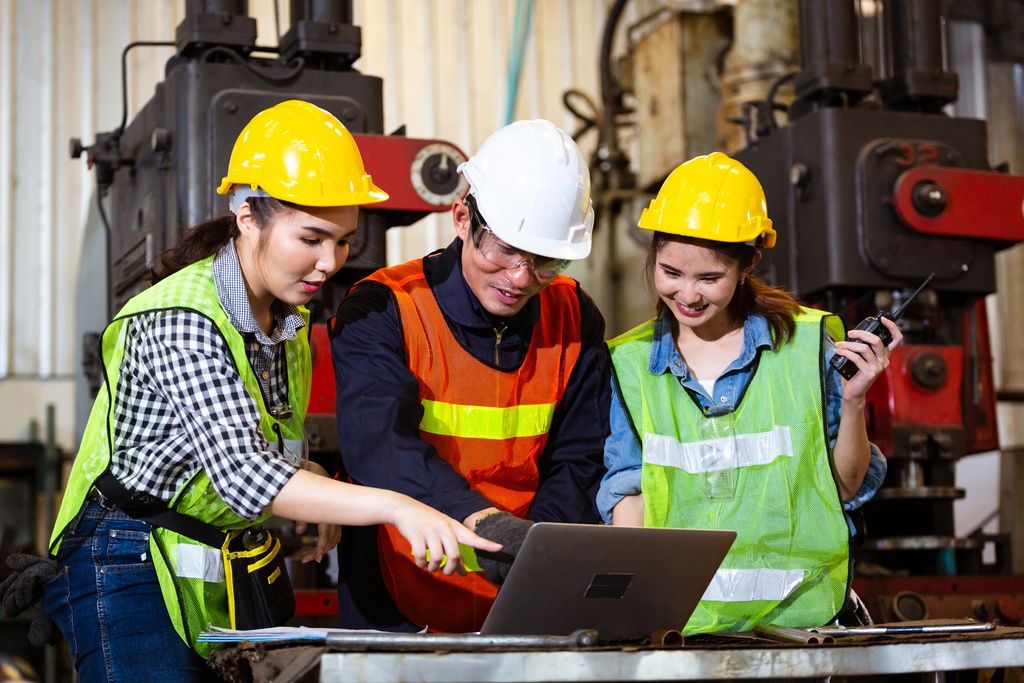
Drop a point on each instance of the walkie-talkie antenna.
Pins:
(873, 324)
(899, 312)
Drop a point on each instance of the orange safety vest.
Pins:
(490, 424)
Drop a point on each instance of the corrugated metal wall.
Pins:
(444, 65)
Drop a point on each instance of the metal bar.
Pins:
(907, 628)
(420, 642)
(793, 635)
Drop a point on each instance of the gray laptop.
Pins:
(625, 582)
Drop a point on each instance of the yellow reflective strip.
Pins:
(482, 422)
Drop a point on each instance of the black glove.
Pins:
(508, 530)
(23, 589)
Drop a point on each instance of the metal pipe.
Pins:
(51, 467)
(828, 32)
(830, 53)
(217, 7)
(333, 11)
(915, 48)
(610, 156)
(667, 638)
(915, 35)
(792, 635)
(467, 641)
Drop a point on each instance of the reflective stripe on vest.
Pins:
(712, 455)
(191, 575)
(763, 471)
(490, 424)
(484, 422)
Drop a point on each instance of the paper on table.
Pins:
(216, 634)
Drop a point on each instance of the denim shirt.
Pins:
(623, 455)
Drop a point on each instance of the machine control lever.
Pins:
(874, 325)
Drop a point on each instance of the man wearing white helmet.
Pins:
(476, 381)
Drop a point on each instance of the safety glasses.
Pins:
(505, 256)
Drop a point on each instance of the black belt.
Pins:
(152, 510)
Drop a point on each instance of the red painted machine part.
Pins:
(895, 399)
(980, 204)
(917, 405)
(979, 389)
(315, 602)
(322, 394)
(389, 160)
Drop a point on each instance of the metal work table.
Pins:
(727, 659)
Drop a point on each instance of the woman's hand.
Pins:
(328, 535)
(852, 452)
(327, 538)
(431, 532)
(871, 358)
(327, 501)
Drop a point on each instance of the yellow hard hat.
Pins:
(711, 197)
(297, 152)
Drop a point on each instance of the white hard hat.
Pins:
(532, 187)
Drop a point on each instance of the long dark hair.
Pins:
(753, 296)
(208, 238)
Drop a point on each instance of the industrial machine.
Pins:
(875, 187)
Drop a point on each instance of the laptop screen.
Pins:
(624, 582)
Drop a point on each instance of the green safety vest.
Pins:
(764, 471)
(191, 574)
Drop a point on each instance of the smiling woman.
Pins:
(198, 433)
(724, 415)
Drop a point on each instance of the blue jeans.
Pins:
(106, 601)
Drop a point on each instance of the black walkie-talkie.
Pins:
(873, 324)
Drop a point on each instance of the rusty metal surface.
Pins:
(703, 658)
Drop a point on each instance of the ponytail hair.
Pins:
(777, 306)
(207, 239)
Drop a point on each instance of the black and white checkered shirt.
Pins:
(180, 405)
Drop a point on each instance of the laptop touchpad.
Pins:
(608, 585)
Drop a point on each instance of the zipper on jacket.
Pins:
(498, 332)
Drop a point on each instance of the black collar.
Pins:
(443, 270)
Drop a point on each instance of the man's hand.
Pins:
(508, 530)
(474, 519)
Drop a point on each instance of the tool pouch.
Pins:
(259, 591)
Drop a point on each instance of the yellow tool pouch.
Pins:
(259, 591)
